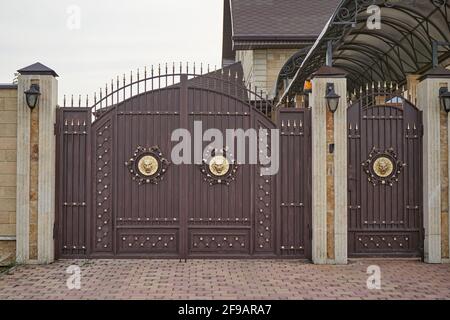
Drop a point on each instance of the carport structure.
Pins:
(380, 73)
(403, 44)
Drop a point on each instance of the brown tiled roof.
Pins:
(274, 23)
(280, 19)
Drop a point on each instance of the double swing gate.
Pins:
(120, 195)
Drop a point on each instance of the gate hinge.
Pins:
(310, 232)
(55, 129)
(422, 130)
(55, 231)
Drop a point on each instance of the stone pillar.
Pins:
(329, 158)
(433, 180)
(36, 167)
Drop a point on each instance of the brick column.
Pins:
(36, 167)
(435, 156)
(329, 159)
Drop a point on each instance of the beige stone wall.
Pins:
(275, 61)
(246, 59)
(262, 66)
(8, 140)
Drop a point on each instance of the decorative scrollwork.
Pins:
(294, 62)
(439, 3)
(218, 167)
(383, 167)
(147, 166)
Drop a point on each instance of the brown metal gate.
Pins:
(106, 209)
(385, 175)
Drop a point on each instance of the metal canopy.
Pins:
(402, 46)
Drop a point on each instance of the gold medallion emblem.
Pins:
(219, 166)
(383, 167)
(148, 166)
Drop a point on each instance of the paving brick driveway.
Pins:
(226, 279)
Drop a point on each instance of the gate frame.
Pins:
(368, 99)
(118, 95)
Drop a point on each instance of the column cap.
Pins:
(438, 72)
(329, 72)
(38, 69)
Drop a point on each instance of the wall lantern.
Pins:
(32, 95)
(444, 95)
(332, 98)
(307, 87)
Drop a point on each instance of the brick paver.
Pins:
(226, 279)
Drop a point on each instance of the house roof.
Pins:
(249, 24)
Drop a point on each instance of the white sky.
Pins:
(115, 37)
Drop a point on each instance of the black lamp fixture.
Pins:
(444, 95)
(332, 98)
(32, 96)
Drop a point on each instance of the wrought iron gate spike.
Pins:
(64, 101)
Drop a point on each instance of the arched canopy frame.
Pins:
(402, 46)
